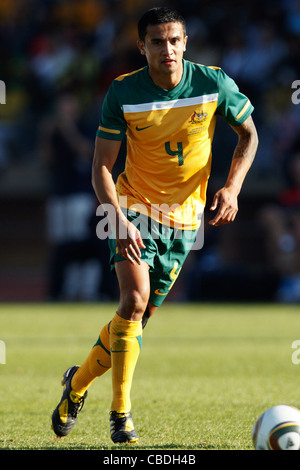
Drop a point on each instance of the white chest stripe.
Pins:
(181, 103)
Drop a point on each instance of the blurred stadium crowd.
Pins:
(58, 58)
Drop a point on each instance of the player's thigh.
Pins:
(134, 287)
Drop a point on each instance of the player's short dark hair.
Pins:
(159, 15)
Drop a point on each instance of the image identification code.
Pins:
(150, 459)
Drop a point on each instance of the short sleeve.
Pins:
(233, 105)
(112, 123)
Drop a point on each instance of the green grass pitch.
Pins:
(205, 373)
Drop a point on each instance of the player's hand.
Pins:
(129, 242)
(226, 200)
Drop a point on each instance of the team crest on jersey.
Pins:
(197, 121)
(197, 117)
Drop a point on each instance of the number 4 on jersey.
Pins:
(173, 153)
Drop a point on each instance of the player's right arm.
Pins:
(105, 155)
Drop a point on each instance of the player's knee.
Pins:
(133, 304)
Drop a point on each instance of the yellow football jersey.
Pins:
(169, 139)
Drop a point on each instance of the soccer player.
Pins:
(167, 110)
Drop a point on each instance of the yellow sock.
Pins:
(125, 345)
(97, 363)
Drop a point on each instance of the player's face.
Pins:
(163, 47)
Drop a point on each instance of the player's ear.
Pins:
(185, 41)
(141, 46)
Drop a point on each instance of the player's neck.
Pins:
(165, 81)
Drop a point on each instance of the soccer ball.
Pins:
(278, 428)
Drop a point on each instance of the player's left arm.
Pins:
(226, 199)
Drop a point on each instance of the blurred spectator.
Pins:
(75, 267)
(281, 222)
(51, 56)
(252, 60)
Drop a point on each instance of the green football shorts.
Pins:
(165, 252)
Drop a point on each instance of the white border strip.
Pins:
(158, 105)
